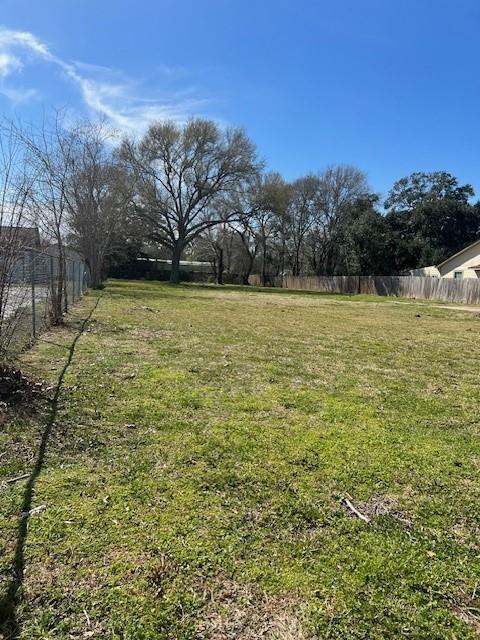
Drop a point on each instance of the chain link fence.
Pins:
(30, 285)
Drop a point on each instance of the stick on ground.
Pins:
(22, 477)
(354, 510)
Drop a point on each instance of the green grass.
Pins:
(198, 458)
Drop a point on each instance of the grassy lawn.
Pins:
(194, 465)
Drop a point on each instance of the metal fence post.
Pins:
(52, 273)
(52, 286)
(32, 279)
(73, 280)
(65, 284)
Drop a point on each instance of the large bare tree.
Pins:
(339, 187)
(50, 151)
(217, 245)
(270, 215)
(301, 213)
(98, 195)
(183, 173)
(250, 243)
(246, 204)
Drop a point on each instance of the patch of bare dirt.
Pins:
(143, 308)
(467, 609)
(242, 612)
(378, 506)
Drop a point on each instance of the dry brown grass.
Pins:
(241, 612)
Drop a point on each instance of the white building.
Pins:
(464, 264)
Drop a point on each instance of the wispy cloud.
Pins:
(25, 40)
(9, 64)
(103, 91)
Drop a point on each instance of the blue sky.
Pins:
(391, 86)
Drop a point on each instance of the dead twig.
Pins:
(22, 477)
(354, 510)
(32, 512)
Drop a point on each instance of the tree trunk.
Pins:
(282, 257)
(58, 298)
(246, 274)
(264, 262)
(96, 280)
(296, 262)
(176, 255)
(220, 267)
(95, 272)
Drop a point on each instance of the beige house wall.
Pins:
(463, 261)
(426, 272)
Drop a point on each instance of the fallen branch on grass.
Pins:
(22, 477)
(32, 512)
(354, 510)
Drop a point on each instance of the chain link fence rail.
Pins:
(26, 294)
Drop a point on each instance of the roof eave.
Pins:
(459, 253)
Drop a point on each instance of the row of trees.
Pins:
(201, 191)
(64, 180)
(331, 223)
(198, 190)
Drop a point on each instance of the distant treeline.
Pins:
(199, 191)
(331, 224)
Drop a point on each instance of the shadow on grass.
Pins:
(10, 601)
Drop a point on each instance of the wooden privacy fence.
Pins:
(465, 290)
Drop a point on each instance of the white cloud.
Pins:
(18, 95)
(9, 64)
(104, 91)
(118, 100)
(24, 40)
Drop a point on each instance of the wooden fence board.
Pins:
(466, 290)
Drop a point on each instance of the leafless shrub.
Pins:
(49, 153)
(16, 182)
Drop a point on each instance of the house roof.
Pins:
(25, 237)
(459, 253)
(68, 252)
